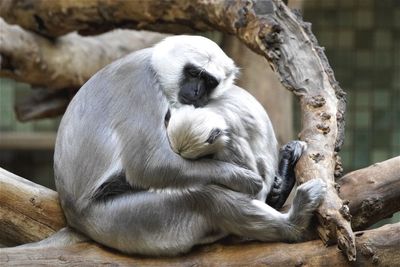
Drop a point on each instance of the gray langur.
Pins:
(121, 184)
(235, 128)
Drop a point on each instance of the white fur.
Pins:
(188, 134)
(173, 53)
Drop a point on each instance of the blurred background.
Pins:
(362, 42)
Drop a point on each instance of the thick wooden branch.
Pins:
(373, 192)
(28, 212)
(270, 29)
(66, 62)
(42, 103)
(378, 247)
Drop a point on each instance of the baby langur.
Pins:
(235, 128)
(239, 132)
(199, 132)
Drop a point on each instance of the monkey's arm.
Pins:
(167, 169)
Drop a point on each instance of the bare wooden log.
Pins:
(42, 103)
(28, 212)
(66, 62)
(270, 29)
(26, 141)
(378, 247)
(373, 192)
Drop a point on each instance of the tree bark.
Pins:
(68, 61)
(28, 212)
(268, 28)
(378, 247)
(42, 103)
(373, 192)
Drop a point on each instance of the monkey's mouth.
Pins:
(185, 100)
(197, 103)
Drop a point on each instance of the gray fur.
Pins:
(247, 137)
(64, 237)
(114, 129)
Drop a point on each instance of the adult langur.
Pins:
(112, 155)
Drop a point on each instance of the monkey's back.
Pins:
(106, 127)
(251, 132)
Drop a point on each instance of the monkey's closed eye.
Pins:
(215, 133)
(167, 118)
(192, 71)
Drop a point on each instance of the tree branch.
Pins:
(270, 29)
(66, 62)
(42, 103)
(28, 212)
(373, 192)
(378, 247)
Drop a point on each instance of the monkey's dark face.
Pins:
(196, 86)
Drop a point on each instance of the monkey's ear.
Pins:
(215, 133)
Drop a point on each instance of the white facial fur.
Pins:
(173, 53)
(189, 128)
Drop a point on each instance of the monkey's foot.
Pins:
(285, 180)
(291, 152)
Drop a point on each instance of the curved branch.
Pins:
(66, 62)
(270, 29)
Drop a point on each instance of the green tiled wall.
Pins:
(35, 165)
(362, 41)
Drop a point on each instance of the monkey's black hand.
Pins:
(284, 182)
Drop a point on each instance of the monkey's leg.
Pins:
(147, 223)
(255, 219)
(64, 237)
(283, 184)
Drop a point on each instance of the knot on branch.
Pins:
(370, 206)
(337, 187)
(369, 252)
(324, 116)
(345, 210)
(324, 128)
(271, 37)
(317, 101)
(40, 24)
(317, 157)
(338, 172)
